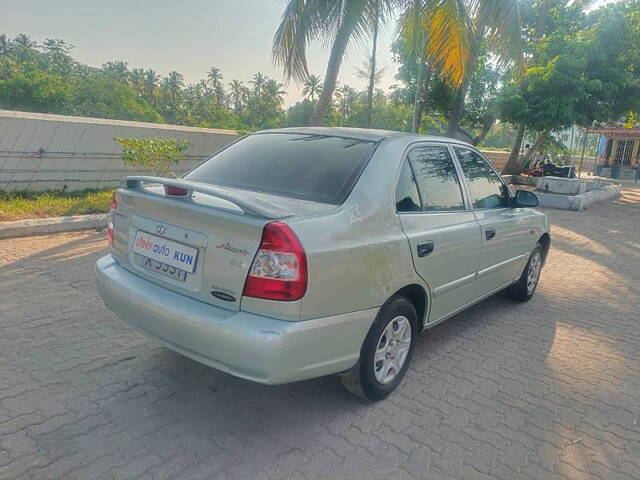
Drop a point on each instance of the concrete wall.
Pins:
(54, 152)
(43, 152)
(498, 158)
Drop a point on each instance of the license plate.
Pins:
(164, 269)
(165, 251)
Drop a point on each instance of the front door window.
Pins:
(486, 188)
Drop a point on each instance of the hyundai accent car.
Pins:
(297, 253)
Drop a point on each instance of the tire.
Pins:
(374, 380)
(526, 285)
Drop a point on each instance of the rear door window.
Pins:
(319, 168)
(437, 178)
(407, 196)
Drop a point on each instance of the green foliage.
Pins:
(298, 115)
(23, 86)
(22, 205)
(101, 95)
(547, 96)
(157, 154)
(45, 78)
(586, 72)
(583, 68)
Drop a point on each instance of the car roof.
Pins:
(368, 134)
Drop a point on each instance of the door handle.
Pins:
(490, 233)
(425, 248)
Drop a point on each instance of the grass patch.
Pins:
(23, 205)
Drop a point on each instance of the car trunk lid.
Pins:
(209, 234)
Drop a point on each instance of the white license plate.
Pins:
(163, 269)
(165, 251)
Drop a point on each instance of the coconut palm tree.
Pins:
(173, 84)
(214, 77)
(214, 80)
(151, 81)
(372, 66)
(338, 22)
(236, 94)
(373, 75)
(273, 91)
(118, 69)
(23, 46)
(347, 97)
(312, 87)
(447, 34)
(138, 81)
(258, 83)
(4, 44)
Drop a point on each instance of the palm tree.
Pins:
(273, 91)
(151, 81)
(413, 27)
(214, 77)
(372, 67)
(173, 84)
(22, 40)
(312, 87)
(214, 80)
(347, 97)
(258, 83)
(4, 44)
(448, 34)
(237, 94)
(373, 75)
(336, 21)
(23, 45)
(118, 69)
(137, 77)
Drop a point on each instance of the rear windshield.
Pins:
(310, 167)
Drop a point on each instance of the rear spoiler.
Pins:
(245, 202)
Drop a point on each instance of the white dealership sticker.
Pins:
(165, 251)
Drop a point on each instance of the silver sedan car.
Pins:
(297, 253)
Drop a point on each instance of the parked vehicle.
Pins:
(303, 252)
(546, 168)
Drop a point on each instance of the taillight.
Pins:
(279, 269)
(114, 204)
(175, 191)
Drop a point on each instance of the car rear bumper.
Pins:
(261, 349)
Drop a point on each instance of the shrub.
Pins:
(157, 154)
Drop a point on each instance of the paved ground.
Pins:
(544, 390)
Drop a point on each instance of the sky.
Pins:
(188, 36)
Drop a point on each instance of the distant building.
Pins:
(617, 155)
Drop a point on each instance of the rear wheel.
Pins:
(526, 286)
(385, 353)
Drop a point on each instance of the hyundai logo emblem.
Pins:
(161, 229)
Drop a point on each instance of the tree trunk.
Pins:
(420, 57)
(541, 138)
(486, 128)
(331, 74)
(512, 166)
(455, 117)
(584, 147)
(372, 75)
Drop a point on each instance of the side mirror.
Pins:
(526, 198)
